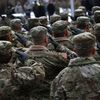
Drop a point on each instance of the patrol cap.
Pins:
(64, 16)
(83, 19)
(4, 30)
(59, 26)
(5, 47)
(97, 16)
(38, 31)
(83, 8)
(54, 18)
(97, 29)
(95, 8)
(79, 12)
(43, 20)
(97, 13)
(32, 22)
(16, 20)
(84, 41)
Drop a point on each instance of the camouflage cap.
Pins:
(43, 20)
(64, 16)
(97, 13)
(54, 18)
(95, 8)
(5, 47)
(4, 30)
(38, 30)
(84, 40)
(79, 12)
(82, 7)
(83, 19)
(32, 22)
(59, 26)
(97, 29)
(16, 20)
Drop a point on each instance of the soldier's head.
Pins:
(97, 16)
(54, 18)
(5, 51)
(59, 28)
(39, 35)
(16, 25)
(83, 8)
(33, 22)
(78, 13)
(43, 20)
(97, 31)
(5, 33)
(84, 44)
(95, 8)
(64, 16)
(83, 23)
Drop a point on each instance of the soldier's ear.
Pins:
(75, 50)
(46, 40)
(93, 51)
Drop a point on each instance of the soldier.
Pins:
(53, 62)
(84, 24)
(95, 8)
(18, 83)
(54, 18)
(78, 13)
(5, 33)
(79, 81)
(83, 8)
(19, 33)
(33, 22)
(64, 16)
(97, 16)
(5, 64)
(61, 33)
(97, 34)
(44, 22)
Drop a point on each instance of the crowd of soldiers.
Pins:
(55, 60)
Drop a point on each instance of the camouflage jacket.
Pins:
(20, 83)
(79, 81)
(54, 62)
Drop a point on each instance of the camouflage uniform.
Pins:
(60, 27)
(42, 54)
(97, 34)
(19, 83)
(5, 65)
(52, 61)
(19, 33)
(79, 81)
